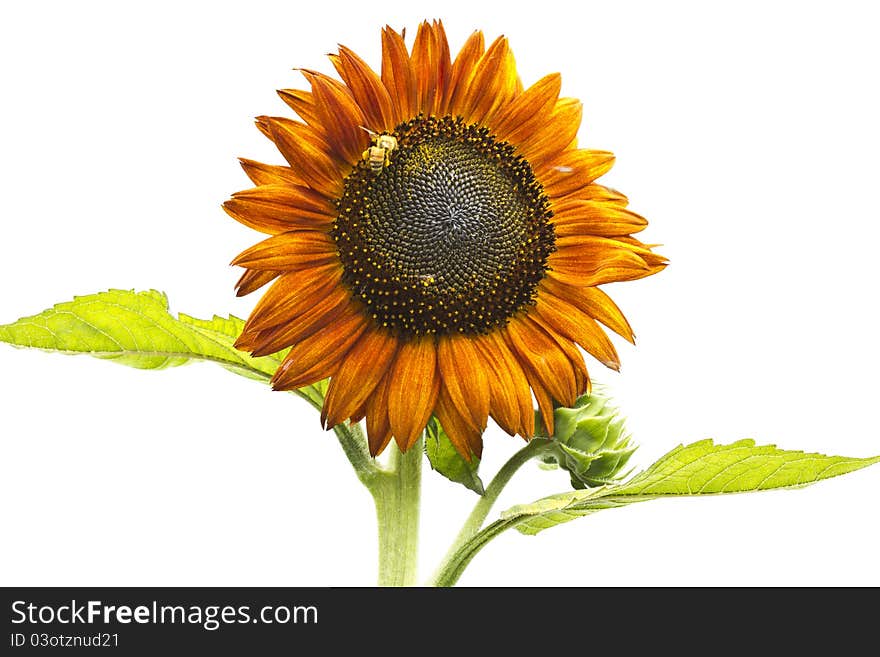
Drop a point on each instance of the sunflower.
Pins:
(436, 243)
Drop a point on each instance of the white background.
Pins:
(747, 134)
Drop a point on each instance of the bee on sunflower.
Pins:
(436, 243)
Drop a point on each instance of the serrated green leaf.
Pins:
(135, 329)
(447, 461)
(701, 468)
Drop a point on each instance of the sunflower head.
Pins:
(436, 243)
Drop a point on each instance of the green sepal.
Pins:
(446, 460)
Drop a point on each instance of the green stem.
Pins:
(351, 438)
(481, 510)
(396, 492)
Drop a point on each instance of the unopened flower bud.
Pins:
(590, 442)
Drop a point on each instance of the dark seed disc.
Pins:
(451, 236)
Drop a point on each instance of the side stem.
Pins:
(481, 510)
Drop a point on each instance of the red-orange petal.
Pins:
(426, 68)
(509, 394)
(367, 89)
(590, 261)
(397, 75)
(574, 356)
(551, 367)
(491, 87)
(432, 66)
(467, 441)
(597, 192)
(528, 112)
(462, 371)
(573, 170)
(595, 303)
(318, 356)
(303, 103)
(570, 322)
(299, 249)
(413, 390)
(577, 217)
(358, 375)
(546, 145)
(341, 118)
(268, 174)
(462, 70)
(322, 312)
(378, 426)
(280, 208)
(287, 295)
(254, 279)
(308, 153)
(594, 246)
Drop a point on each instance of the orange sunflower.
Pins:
(436, 243)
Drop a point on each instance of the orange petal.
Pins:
(597, 192)
(308, 154)
(585, 246)
(254, 279)
(563, 124)
(594, 302)
(318, 356)
(413, 390)
(644, 250)
(466, 440)
(303, 103)
(425, 68)
(341, 118)
(576, 217)
(574, 169)
(378, 426)
(492, 85)
(543, 357)
(464, 379)
(545, 403)
(590, 261)
(268, 174)
(293, 294)
(321, 312)
(263, 126)
(287, 296)
(432, 66)
(510, 397)
(367, 89)
(529, 112)
(507, 357)
(294, 250)
(570, 322)
(358, 375)
(574, 356)
(280, 208)
(462, 70)
(397, 75)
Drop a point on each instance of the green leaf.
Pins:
(136, 329)
(702, 468)
(447, 461)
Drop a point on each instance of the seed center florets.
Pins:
(450, 233)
